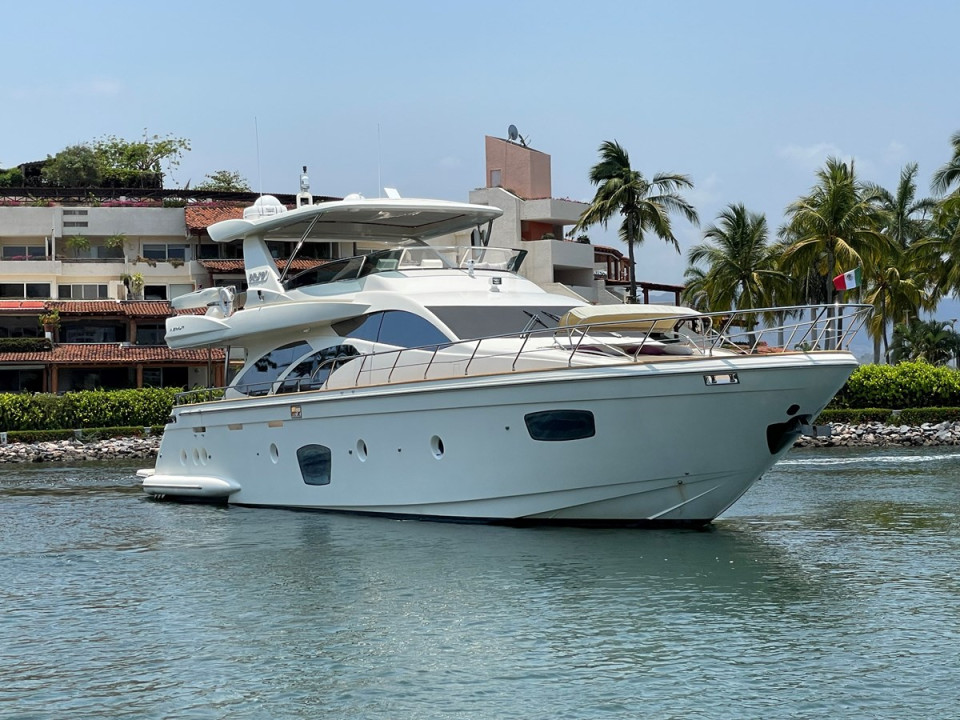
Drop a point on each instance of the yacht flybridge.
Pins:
(417, 381)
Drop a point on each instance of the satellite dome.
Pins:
(264, 206)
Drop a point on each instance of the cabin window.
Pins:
(314, 461)
(560, 425)
(258, 378)
(394, 327)
(311, 372)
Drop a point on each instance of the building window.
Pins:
(84, 331)
(82, 292)
(315, 464)
(495, 180)
(165, 377)
(178, 289)
(24, 252)
(24, 291)
(75, 212)
(12, 381)
(559, 425)
(75, 224)
(150, 334)
(162, 251)
(154, 292)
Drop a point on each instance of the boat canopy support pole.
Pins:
(286, 268)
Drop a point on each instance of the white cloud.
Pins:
(809, 157)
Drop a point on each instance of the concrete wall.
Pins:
(523, 171)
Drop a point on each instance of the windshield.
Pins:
(483, 321)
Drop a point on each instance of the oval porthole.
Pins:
(183, 457)
(274, 453)
(203, 456)
(436, 446)
(196, 456)
(361, 450)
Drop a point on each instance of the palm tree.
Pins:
(897, 281)
(933, 341)
(741, 266)
(949, 173)
(833, 227)
(645, 205)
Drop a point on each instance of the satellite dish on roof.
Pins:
(512, 132)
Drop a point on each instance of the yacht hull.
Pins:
(674, 443)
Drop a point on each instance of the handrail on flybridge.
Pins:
(795, 329)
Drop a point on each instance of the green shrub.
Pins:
(855, 417)
(919, 416)
(86, 409)
(907, 385)
(25, 345)
(35, 436)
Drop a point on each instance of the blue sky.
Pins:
(748, 98)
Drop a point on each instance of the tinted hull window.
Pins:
(560, 425)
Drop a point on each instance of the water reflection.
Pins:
(828, 590)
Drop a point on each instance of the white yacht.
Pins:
(417, 381)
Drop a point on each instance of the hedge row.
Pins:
(907, 385)
(35, 436)
(910, 416)
(86, 409)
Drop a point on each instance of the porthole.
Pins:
(274, 453)
(203, 456)
(183, 457)
(361, 451)
(196, 456)
(436, 446)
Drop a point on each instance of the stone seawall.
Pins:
(76, 451)
(880, 435)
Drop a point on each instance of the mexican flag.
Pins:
(847, 281)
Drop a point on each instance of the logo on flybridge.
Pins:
(258, 277)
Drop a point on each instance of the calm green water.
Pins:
(831, 590)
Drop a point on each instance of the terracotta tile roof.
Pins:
(130, 308)
(236, 266)
(113, 354)
(200, 217)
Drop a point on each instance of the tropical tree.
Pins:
(949, 174)
(741, 266)
(645, 205)
(76, 166)
(225, 181)
(933, 341)
(133, 163)
(834, 227)
(897, 279)
(944, 244)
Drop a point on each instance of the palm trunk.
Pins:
(631, 241)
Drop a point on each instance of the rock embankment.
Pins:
(76, 451)
(880, 435)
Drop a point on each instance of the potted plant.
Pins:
(115, 241)
(50, 320)
(78, 243)
(136, 286)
